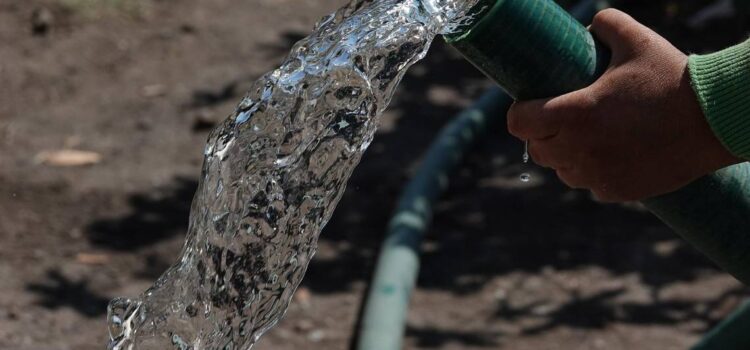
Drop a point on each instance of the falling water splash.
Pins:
(272, 175)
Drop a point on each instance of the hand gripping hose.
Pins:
(534, 49)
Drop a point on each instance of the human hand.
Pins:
(636, 133)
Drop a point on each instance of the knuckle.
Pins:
(578, 105)
(583, 110)
(644, 39)
(587, 102)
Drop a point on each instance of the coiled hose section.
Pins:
(384, 318)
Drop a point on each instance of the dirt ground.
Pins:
(140, 82)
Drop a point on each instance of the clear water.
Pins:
(272, 175)
(526, 177)
(526, 152)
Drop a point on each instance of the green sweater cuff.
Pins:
(722, 82)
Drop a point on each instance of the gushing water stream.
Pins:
(272, 175)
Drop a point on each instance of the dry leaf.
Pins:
(155, 90)
(92, 258)
(303, 297)
(68, 158)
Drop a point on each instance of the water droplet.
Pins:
(525, 177)
(526, 151)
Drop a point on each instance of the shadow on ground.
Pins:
(435, 338)
(155, 216)
(59, 291)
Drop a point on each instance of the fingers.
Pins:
(532, 120)
(552, 153)
(543, 119)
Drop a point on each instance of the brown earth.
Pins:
(140, 82)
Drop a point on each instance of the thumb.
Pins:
(621, 33)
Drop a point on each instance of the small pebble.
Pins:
(316, 336)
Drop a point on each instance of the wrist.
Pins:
(700, 152)
(721, 81)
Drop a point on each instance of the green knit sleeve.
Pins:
(722, 82)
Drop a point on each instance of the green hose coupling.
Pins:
(532, 48)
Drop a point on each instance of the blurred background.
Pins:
(105, 106)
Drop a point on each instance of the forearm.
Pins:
(722, 82)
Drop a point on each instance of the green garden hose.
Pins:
(531, 48)
(730, 334)
(384, 318)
